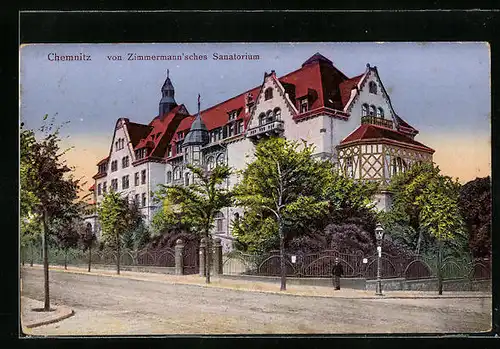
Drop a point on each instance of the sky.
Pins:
(442, 89)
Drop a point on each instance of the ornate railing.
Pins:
(373, 120)
(266, 129)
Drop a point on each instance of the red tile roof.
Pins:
(375, 132)
(346, 88)
(137, 131)
(103, 161)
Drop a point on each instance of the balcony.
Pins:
(273, 127)
(373, 120)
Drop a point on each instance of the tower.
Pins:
(167, 102)
(195, 140)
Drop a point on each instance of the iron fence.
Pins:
(357, 264)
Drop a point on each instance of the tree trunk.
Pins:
(208, 252)
(282, 257)
(440, 268)
(31, 251)
(65, 259)
(419, 241)
(45, 251)
(117, 254)
(90, 257)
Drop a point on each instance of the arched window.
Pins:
(220, 159)
(268, 94)
(373, 110)
(277, 113)
(219, 222)
(210, 162)
(262, 119)
(169, 177)
(186, 181)
(373, 87)
(380, 113)
(177, 173)
(364, 110)
(269, 116)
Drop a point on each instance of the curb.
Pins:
(61, 313)
(272, 292)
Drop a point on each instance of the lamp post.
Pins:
(379, 234)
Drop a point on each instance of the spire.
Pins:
(198, 134)
(167, 102)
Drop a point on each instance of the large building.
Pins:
(350, 121)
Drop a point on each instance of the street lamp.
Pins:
(379, 234)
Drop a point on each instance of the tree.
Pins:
(87, 239)
(284, 188)
(117, 217)
(475, 207)
(67, 237)
(47, 188)
(31, 232)
(440, 214)
(199, 202)
(425, 212)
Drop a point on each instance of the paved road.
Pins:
(114, 306)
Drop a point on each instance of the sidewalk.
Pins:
(265, 287)
(32, 317)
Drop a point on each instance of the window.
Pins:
(125, 162)
(210, 163)
(220, 159)
(277, 114)
(169, 176)
(262, 119)
(219, 222)
(178, 147)
(269, 116)
(143, 199)
(380, 113)
(125, 182)
(143, 177)
(364, 110)
(233, 115)
(236, 218)
(268, 94)
(180, 135)
(102, 168)
(239, 127)
(398, 165)
(196, 154)
(304, 105)
(169, 151)
(114, 184)
(140, 153)
(373, 110)
(373, 87)
(114, 166)
(230, 130)
(186, 176)
(136, 179)
(349, 165)
(119, 144)
(99, 192)
(136, 199)
(177, 173)
(104, 188)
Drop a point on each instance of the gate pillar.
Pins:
(179, 257)
(217, 257)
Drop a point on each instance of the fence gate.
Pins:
(191, 257)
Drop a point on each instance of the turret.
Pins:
(167, 102)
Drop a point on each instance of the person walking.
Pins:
(337, 272)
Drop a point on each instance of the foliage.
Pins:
(48, 190)
(118, 217)
(166, 219)
(198, 203)
(425, 209)
(475, 206)
(283, 192)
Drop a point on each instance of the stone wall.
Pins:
(400, 284)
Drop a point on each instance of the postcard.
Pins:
(255, 188)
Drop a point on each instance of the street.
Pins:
(116, 306)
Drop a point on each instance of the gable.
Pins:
(279, 99)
